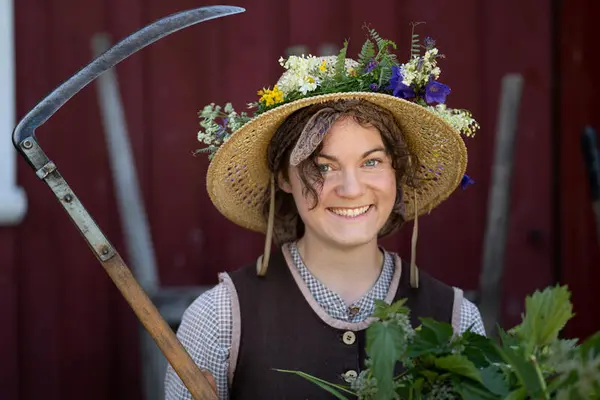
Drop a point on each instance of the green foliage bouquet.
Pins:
(529, 361)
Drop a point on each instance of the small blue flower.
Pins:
(223, 129)
(370, 66)
(398, 87)
(466, 181)
(436, 92)
(373, 87)
(429, 43)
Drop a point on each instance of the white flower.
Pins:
(301, 74)
(431, 52)
(309, 84)
(461, 120)
(210, 111)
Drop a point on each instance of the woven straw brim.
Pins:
(238, 175)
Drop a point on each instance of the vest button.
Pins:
(349, 337)
(350, 375)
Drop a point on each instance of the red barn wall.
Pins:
(68, 331)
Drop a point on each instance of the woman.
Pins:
(338, 154)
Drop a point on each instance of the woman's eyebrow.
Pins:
(365, 154)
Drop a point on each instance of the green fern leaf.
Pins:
(385, 70)
(340, 62)
(375, 36)
(415, 48)
(366, 53)
(382, 45)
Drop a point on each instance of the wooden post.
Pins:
(499, 202)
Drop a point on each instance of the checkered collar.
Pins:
(332, 303)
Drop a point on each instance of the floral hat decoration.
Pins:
(238, 177)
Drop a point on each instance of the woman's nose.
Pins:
(350, 185)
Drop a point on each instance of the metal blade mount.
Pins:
(126, 47)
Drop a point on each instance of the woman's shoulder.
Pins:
(205, 332)
(208, 319)
(209, 305)
(469, 315)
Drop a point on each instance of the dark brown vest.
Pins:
(279, 329)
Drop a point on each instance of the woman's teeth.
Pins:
(350, 212)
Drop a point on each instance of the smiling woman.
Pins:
(336, 157)
(357, 167)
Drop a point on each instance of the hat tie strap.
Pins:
(414, 272)
(263, 261)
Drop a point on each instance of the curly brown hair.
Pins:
(288, 225)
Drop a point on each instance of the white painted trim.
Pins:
(13, 202)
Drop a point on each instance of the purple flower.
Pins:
(373, 87)
(436, 92)
(370, 66)
(466, 181)
(223, 127)
(429, 43)
(399, 88)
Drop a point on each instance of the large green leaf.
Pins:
(460, 365)
(590, 348)
(432, 337)
(493, 379)
(479, 349)
(383, 310)
(525, 369)
(472, 391)
(546, 314)
(438, 332)
(384, 346)
(517, 394)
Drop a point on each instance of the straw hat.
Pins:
(238, 176)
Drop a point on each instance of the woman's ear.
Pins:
(284, 183)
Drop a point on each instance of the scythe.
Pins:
(26, 144)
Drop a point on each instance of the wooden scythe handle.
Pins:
(160, 331)
(121, 275)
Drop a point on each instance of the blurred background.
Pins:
(65, 330)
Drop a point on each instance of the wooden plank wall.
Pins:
(70, 333)
(580, 244)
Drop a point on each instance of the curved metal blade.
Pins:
(126, 47)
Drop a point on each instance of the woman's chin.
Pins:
(349, 238)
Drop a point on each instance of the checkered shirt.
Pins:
(206, 327)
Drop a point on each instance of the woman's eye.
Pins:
(324, 167)
(372, 162)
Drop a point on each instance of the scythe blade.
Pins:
(26, 144)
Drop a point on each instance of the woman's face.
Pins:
(359, 187)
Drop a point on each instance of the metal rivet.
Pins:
(105, 250)
(68, 198)
(27, 144)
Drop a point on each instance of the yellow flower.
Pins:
(351, 71)
(270, 97)
(323, 65)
